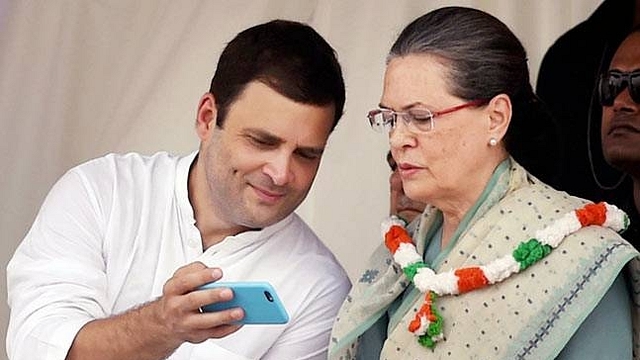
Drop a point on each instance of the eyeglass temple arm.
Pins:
(456, 108)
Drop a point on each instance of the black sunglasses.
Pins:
(611, 84)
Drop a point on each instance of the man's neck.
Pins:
(212, 230)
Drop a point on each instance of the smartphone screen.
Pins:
(258, 299)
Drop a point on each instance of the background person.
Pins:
(399, 203)
(619, 90)
(110, 265)
(567, 85)
(456, 96)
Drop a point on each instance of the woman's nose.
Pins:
(400, 136)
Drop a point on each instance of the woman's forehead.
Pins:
(415, 79)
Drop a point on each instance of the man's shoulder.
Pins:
(125, 176)
(133, 167)
(297, 240)
(298, 233)
(130, 160)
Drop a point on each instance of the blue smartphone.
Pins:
(258, 299)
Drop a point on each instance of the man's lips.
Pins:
(622, 128)
(624, 123)
(267, 194)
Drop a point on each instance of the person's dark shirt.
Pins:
(632, 234)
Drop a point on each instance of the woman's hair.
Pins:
(484, 59)
(289, 57)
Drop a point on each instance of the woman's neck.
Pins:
(451, 219)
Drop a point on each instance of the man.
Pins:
(111, 266)
(619, 90)
(567, 85)
(399, 203)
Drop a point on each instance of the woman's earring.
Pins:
(493, 141)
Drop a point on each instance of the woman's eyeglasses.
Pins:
(417, 120)
(611, 84)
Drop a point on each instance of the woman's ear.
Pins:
(499, 109)
(206, 116)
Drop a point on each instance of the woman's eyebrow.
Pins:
(406, 107)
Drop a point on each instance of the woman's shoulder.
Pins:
(540, 199)
(543, 212)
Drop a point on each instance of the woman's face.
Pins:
(446, 164)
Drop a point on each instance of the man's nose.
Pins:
(278, 169)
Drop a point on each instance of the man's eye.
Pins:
(260, 141)
(309, 155)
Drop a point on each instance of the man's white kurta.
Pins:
(113, 230)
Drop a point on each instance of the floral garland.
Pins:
(427, 323)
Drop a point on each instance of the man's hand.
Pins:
(179, 307)
(155, 330)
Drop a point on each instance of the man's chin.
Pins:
(624, 161)
(259, 220)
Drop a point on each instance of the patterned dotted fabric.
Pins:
(530, 315)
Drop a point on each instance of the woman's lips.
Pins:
(407, 169)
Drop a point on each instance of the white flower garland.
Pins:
(427, 323)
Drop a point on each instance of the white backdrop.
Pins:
(81, 78)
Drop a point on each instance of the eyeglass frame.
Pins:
(411, 122)
(624, 81)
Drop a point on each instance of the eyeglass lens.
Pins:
(383, 120)
(613, 83)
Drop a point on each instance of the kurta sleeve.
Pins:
(56, 279)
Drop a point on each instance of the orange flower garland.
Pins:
(427, 323)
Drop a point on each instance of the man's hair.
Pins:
(289, 57)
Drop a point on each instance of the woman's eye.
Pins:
(420, 117)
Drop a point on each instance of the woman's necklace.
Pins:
(427, 323)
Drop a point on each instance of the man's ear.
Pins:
(499, 109)
(206, 116)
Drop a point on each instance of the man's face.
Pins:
(621, 121)
(260, 166)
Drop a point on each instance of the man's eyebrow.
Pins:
(269, 137)
(264, 135)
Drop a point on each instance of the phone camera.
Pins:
(268, 296)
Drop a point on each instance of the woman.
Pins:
(459, 108)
